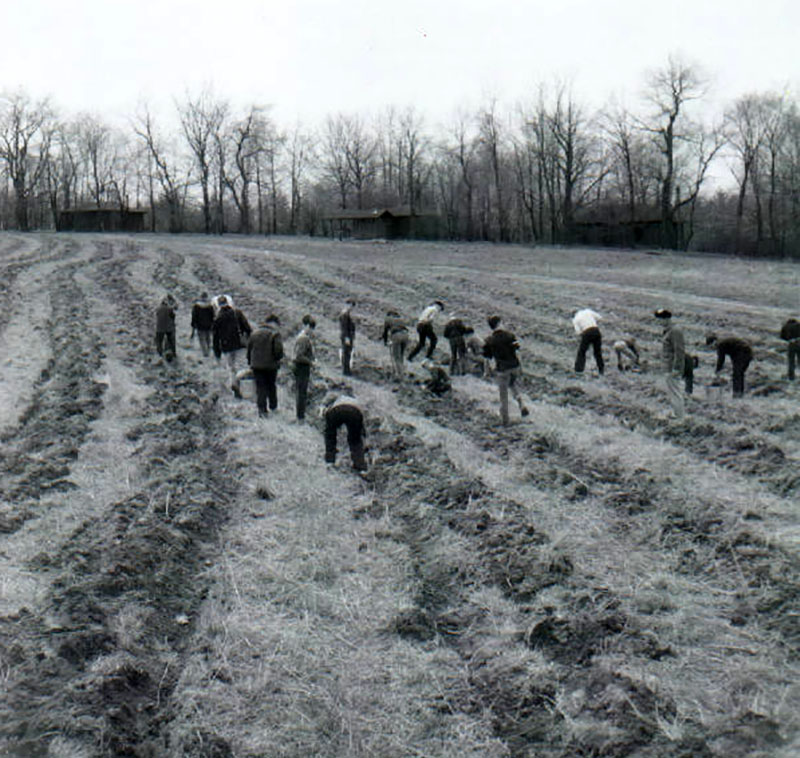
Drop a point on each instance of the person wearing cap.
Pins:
(425, 329)
(303, 360)
(627, 354)
(585, 324)
(740, 353)
(395, 335)
(673, 360)
(790, 332)
(454, 331)
(501, 345)
(342, 409)
(165, 328)
(264, 355)
(347, 334)
(202, 322)
(229, 332)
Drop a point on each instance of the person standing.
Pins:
(202, 322)
(264, 355)
(740, 354)
(395, 335)
(165, 328)
(502, 346)
(585, 324)
(303, 360)
(454, 331)
(347, 334)
(228, 330)
(425, 329)
(673, 360)
(790, 332)
(344, 410)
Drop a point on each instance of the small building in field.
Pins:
(101, 220)
(614, 233)
(382, 223)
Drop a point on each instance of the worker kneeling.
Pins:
(343, 409)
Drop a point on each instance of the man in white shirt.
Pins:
(425, 331)
(585, 324)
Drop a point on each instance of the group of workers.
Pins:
(222, 328)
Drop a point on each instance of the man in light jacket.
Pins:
(425, 329)
(585, 324)
(673, 360)
(303, 360)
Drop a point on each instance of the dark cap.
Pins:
(663, 313)
(272, 319)
(308, 320)
(439, 303)
(493, 321)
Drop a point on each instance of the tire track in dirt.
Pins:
(98, 664)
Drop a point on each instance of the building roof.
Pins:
(106, 209)
(374, 213)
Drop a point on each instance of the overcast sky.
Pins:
(309, 58)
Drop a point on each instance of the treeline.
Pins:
(546, 171)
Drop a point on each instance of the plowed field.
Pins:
(179, 577)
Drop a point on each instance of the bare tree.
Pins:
(669, 89)
(26, 132)
(202, 120)
(246, 137)
(162, 168)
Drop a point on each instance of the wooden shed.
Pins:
(101, 220)
(382, 223)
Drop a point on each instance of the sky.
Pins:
(312, 58)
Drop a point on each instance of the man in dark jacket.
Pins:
(502, 345)
(202, 322)
(454, 333)
(303, 360)
(344, 410)
(229, 330)
(347, 334)
(740, 354)
(165, 328)
(264, 355)
(790, 332)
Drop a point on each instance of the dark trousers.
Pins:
(353, 419)
(424, 333)
(590, 336)
(739, 367)
(266, 388)
(165, 344)
(688, 373)
(302, 373)
(458, 355)
(793, 356)
(347, 355)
